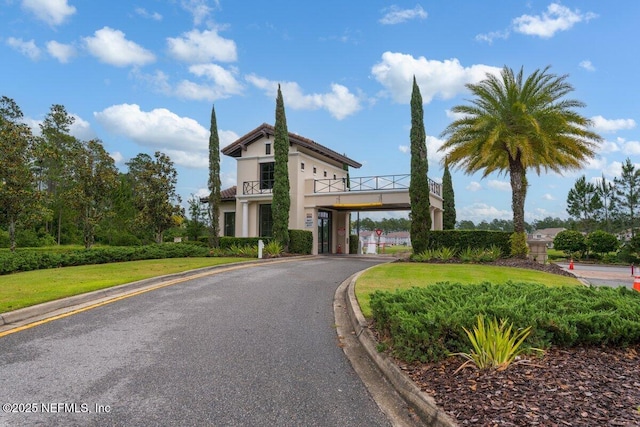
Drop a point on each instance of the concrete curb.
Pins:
(423, 404)
(48, 308)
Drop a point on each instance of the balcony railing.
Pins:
(369, 183)
(257, 187)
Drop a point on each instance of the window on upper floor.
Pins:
(267, 175)
(267, 149)
(301, 166)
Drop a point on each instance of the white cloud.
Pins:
(111, 47)
(445, 78)
(433, 149)
(499, 185)
(493, 35)
(62, 52)
(224, 83)
(27, 48)
(53, 12)
(81, 128)
(548, 196)
(454, 116)
(340, 102)
(587, 65)
(556, 18)
(149, 15)
(477, 212)
(473, 186)
(600, 124)
(395, 15)
(404, 149)
(632, 148)
(607, 146)
(117, 157)
(202, 46)
(198, 8)
(159, 129)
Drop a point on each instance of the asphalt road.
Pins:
(251, 347)
(604, 275)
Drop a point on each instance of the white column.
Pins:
(245, 218)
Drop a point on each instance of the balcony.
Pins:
(370, 183)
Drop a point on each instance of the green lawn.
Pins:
(33, 287)
(389, 277)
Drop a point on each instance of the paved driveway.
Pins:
(251, 347)
(604, 275)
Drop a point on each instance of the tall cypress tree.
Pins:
(419, 185)
(448, 200)
(214, 182)
(281, 198)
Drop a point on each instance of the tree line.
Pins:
(58, 189)
(606, 205)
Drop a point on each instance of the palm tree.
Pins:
(514, 124)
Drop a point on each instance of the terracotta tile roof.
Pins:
(228, 194)
(235, 149)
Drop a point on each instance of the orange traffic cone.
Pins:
(571, 264)
(636, 283)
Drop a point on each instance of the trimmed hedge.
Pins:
(353, 243)
(427, 323)
(462, 239)
(27, 260)
(300, 242)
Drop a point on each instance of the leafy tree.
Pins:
(583, 202)
(602, 242)
(419, 184)
(281, 198)
(607, 192)
(570, 241)
(154, 193)
(466, 225)
(627, 196)
(55, 154)
(214, 182)
(120, 228)
(515, 124)
(96, 178)
(198, 214)
(18, 194)
(550, 222)
(448, 200)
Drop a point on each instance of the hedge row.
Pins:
(300, 241)
(27, 260)
(427, 323)
(475, 239)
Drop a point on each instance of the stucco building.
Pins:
(322, 192)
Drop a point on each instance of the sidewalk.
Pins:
(603, 275)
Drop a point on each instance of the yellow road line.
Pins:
(128, 295)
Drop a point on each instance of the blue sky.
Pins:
(142, 76)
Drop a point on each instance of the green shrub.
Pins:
(427, 323)
(445, 253)
(518, 245)
(273, 249)
(30, 259)
(300, 242)
(467, 255)
(354, 241)
(570, 242)
(494, 345)
(460, 239)
(227, 241)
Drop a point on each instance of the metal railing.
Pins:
(257, 187)
(370, 183)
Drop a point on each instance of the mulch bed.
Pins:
(578, 387)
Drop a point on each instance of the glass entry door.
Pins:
(324, 232)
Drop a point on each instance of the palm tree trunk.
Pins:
(518, 195)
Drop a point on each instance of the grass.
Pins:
(389, 277)
(34, 287)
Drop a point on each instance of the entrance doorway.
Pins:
(324, 232)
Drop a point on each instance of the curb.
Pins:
(423, 404)
(35, 311)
